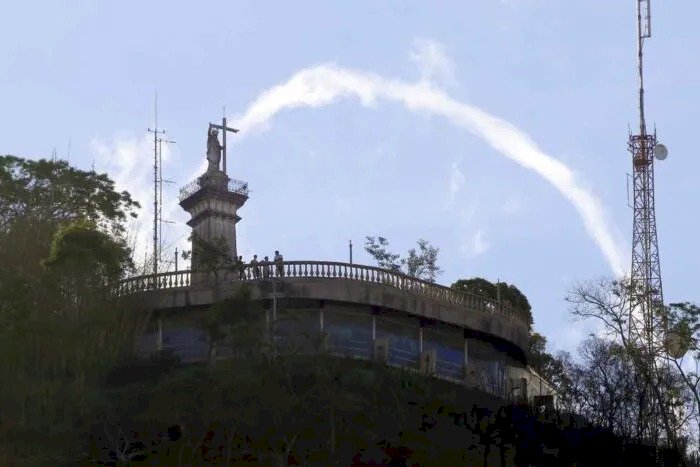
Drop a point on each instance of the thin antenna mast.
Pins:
(160, 195)
(643, 32)
(155, 132)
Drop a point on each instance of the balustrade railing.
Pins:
(323, 270)
(234, 186)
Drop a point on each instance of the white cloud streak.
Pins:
(432, 60)
(475, 245)
(323, 85)
(479, 243)
(456, 182)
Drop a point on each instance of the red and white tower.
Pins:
(646, 317)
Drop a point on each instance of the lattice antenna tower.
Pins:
(156, 212)
(646, 297)
(161, 180)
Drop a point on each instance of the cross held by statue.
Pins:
(225, 129)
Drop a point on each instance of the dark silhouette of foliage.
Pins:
(377, 248)
(508, 293)
(54, 191)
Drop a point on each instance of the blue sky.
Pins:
(561, 73)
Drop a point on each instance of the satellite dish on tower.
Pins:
(660, 152)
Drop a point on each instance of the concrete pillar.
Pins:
(466, 356)
(466, 352)
(159, 342)
(374, 327)
(420, 339)
(212, 205)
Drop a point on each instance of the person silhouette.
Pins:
(278, 263)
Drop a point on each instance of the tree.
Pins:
(607, 389)
(683, 339)
(56, 192)
(609, 302)
(63, 332)
(61, 247)
(476, 286)
(377, 248)
(80, 246)
(506, 292)
(236, 317)
(550, 367)
(421, 263)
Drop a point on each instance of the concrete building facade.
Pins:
(350, 310)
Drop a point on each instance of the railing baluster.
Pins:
(465, 300)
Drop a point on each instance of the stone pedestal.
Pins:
(212, 201)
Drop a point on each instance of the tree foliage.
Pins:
(61, 248)
(662, 394)
(54, 191)
(80, 246)
(549, 366)
(377, 247)
(683, 336)
(420, 263)
(684, 323)
(322, 410)
(508, 293)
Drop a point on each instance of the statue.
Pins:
(213, 150)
